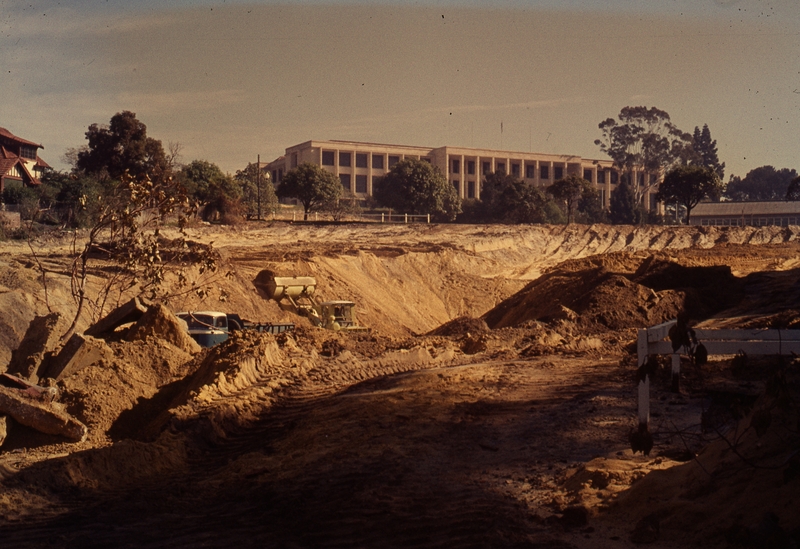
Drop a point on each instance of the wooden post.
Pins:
(644, 404)
(676, 373)
(641, 347)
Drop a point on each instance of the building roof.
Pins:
(7, 134)
(738, 209)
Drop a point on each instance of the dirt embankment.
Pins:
(405, 279)
(506, 424)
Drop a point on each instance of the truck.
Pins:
(209, 328)
(296, 293)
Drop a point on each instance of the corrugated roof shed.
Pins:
(732, 209)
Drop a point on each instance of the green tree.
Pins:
(590, 206)
(763, 183)
(643, 140)
(346, 205)
(568, 191)
(688, 185)
(418, 187)
(223, 202)
(122, 147)
(313, 186)
(623, 209)
(257, 189)
(25, 198)
(73, 199)
(200, 178)
(216, 194)
(793, 191)
(506, 199)
(706, 150)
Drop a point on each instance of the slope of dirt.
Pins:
(405, 279)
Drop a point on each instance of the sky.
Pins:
(231, 80)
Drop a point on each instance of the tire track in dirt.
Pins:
(412, 458)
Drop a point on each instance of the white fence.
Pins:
(364, 218)
(655, 341)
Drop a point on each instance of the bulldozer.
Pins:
(296, 293)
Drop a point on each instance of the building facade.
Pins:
(19, 161)
(359, 165)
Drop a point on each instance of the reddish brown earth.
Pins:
(489, 405)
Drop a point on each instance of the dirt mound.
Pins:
(159, 322)
(100, 393)
(461, 326)
(594, 298)
(648, 291)
(709, 289)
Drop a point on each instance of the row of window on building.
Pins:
(361, 160)
(749, 221)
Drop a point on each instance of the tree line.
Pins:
(646, 148)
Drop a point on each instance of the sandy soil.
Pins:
(489, 405)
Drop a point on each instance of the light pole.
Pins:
(258, 185)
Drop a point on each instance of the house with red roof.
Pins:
(19, 161)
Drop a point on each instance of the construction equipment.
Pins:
(208, 328)
(296, 293)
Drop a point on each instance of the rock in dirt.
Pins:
(41, 337)
(45, 417)
(131, 311)
(160, 323)
(78, 353)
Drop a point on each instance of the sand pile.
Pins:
(154, 352)
(639, 292)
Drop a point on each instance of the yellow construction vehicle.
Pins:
(296, 293)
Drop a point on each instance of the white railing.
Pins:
(655, 341)
(370, 218)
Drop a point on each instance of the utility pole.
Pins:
(258, 185)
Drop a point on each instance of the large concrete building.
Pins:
(358, 165)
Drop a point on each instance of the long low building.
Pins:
(359, 165)
(739, 214)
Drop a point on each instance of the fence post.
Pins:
(405, 218)
(641, 346)
(676, 373)
(429, 219)
(382, 217)
(644, 403)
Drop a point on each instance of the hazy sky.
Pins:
(229, 80)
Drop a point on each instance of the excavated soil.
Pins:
(489, 405)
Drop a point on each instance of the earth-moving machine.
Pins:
(296, 293)
(208, 328)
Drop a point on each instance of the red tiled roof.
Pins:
(5, 153)
(5, 133)
(6, 164)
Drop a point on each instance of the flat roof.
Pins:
(736, 209)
